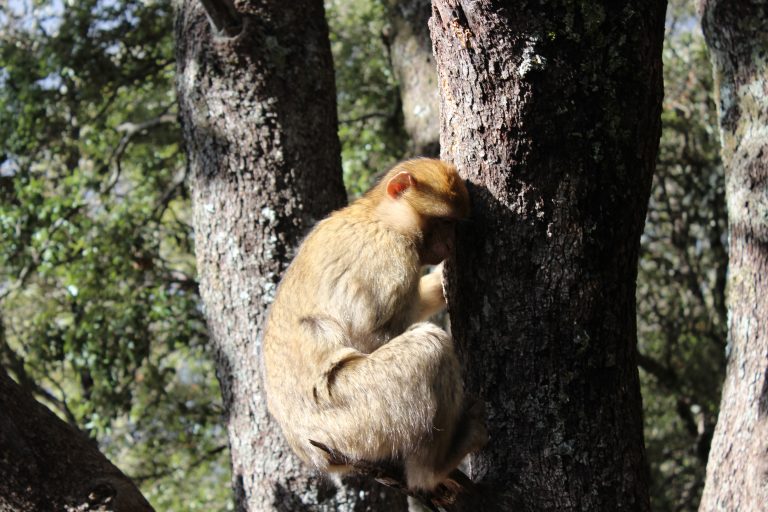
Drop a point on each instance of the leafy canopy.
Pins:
(100, 312)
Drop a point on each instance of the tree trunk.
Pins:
(257, 105)
(410, 51)
(46, 464)
(551, 111)
(737, 35)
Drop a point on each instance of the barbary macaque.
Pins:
(349, 363)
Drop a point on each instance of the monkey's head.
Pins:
(431, 198)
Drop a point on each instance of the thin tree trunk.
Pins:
(737, 471)
(259, 120)
(411, 55)
(45, 464)
(551, 111)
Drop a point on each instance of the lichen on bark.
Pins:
(737, 35)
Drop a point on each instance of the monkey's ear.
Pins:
(399, 183)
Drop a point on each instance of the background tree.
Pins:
(368, 102)
(259, 119)
(551, 111)
(410, 52)
(737, 35)
(681, 277)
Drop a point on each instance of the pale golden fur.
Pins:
(347, 362)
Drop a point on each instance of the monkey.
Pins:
(349, 361)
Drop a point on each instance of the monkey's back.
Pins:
(350, 286)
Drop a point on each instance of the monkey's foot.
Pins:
(392, 475)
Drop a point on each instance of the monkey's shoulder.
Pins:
(356, 271)
(349, 231)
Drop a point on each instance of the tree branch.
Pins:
(223, 16)
(129, 130)
(169, 471)
(365, 117)
(48, 465)
(667, 377)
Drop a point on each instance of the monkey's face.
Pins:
(439, 240)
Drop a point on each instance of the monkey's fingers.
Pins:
(335, 457)
(455, 484)
(384, 472)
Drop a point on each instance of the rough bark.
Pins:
(737, 35)
(414, 66)
(259, 120)
(45, 464)
(551, 111)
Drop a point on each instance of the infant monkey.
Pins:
(349, 362)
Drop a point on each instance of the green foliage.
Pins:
(100, 310)
(681, 282)
(370, 115)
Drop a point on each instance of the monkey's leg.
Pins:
(434, 462)
(469, 436)
(402, 402)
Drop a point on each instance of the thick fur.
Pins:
(348, 364)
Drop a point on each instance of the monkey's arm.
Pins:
(431, 299)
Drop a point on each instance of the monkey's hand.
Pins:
(431, 298)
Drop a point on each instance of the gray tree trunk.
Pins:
(551, 111)
(45, 464)
(737, 35)
(257, 105)
(414, 66)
